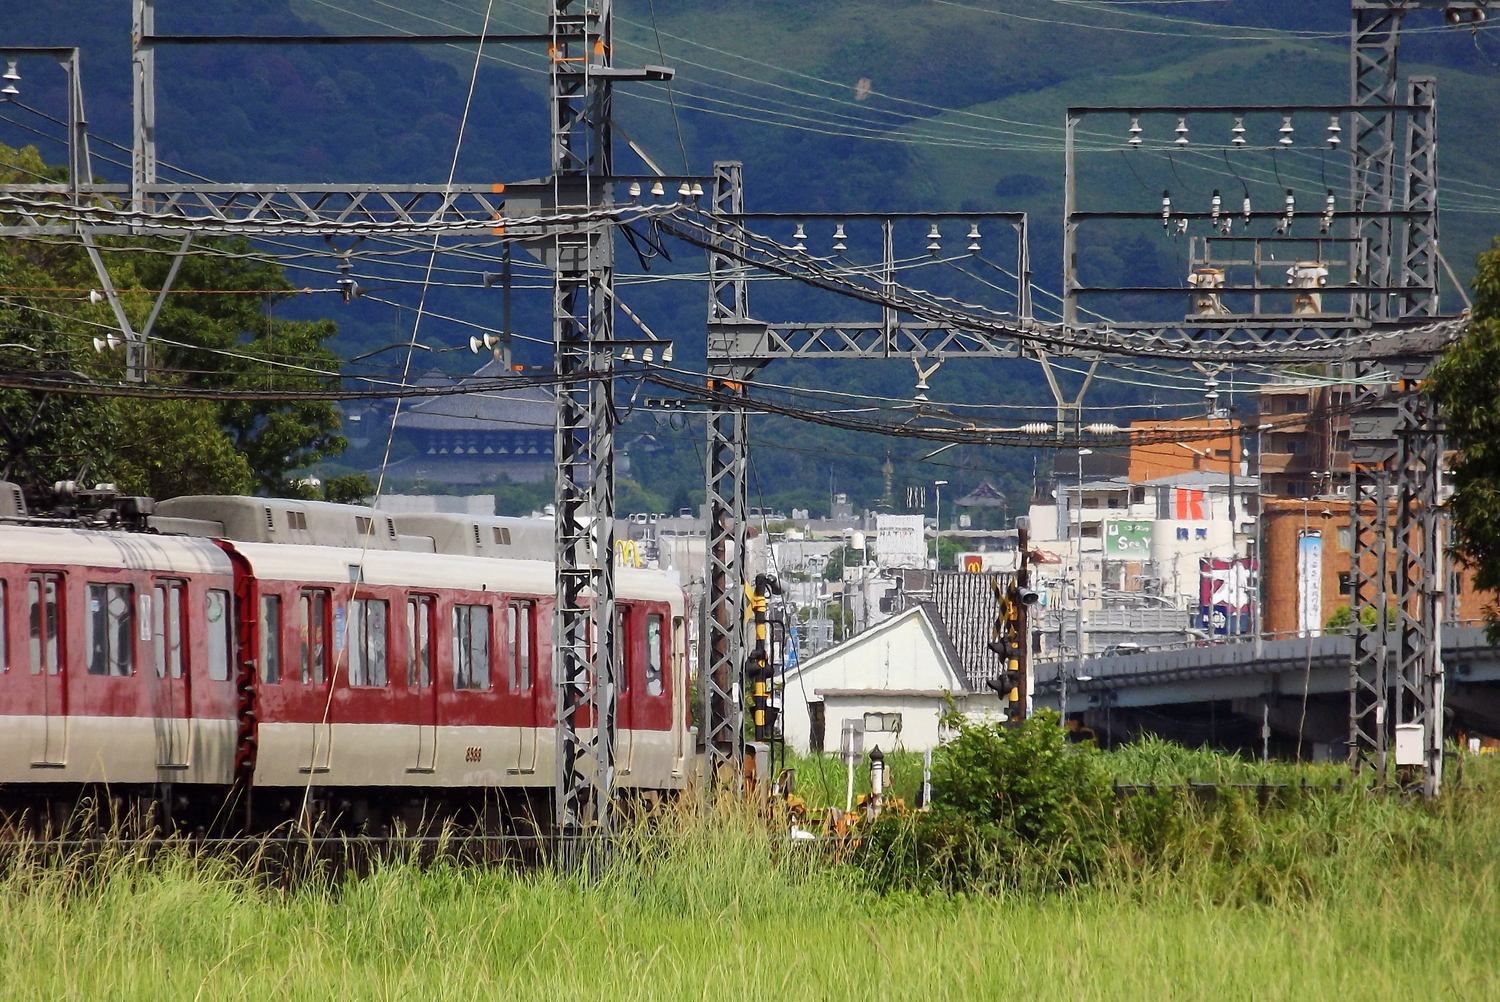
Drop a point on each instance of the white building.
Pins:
(1140, 548)
(904, 666)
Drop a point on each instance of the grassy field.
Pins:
(1346, 895)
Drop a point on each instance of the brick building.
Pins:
(1303, 456)
(1309, 541)
(1155, 460)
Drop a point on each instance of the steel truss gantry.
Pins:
(566, 220)
(739, 347)
(1407, 459)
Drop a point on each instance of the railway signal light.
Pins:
(760, 671)
(1010, 644)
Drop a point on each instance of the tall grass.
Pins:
(1333, 894)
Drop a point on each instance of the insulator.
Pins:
(647, 355)
(1182, 225)
(1291, 204)
(11, 78)
(474, 344)
(1286, 130)
(1333, 130)
(934, 239)
(800, 237)
(685, 190)
(1182, 133)
(1245, 209)
(1228, 226)
(1214, 205)
(627, 354)
(1329, 208)
(974, 238)
(697, 189)
(635, 189)
(1036, 428)
(839, 237)
(1135, 129)
(657, 191)
(1238, 132)
(666, 354)
(1102, 428)
(1166, 208)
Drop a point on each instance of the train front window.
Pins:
(367, 642)
(471, 647)
(216, 612)
(166, 628)
(653, 655)
(44, 593)
(109, 629)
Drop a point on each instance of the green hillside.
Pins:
(833, 106)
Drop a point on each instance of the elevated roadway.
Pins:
(1223, 693)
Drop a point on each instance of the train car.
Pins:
(354, 672)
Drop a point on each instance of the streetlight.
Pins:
(937, 535)
(1078, 585)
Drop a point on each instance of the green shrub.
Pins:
(1015, 806)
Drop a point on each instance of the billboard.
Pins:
(1226, 597)
(1127, 540)
(899, 541)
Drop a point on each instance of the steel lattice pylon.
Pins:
(721, 658)
(583, 624)
(1397, 565)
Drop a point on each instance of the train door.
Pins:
(421, 676)
(171, 684)
(521, 679)
(49, 736)
(318, 640)
(625, 688)
(677, 688)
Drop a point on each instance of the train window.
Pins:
(315, 605)
(109, 629)
(621, 641)
(166, 628)
(471, 647)
(367, 642)
(520, 616)
(419, 641)
(653, 655)
(44, 592)
(216, 614)
(270, 638)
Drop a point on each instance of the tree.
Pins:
(217, 331)
(351, 488)
(1466, 384)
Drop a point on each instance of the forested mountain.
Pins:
(833, 106)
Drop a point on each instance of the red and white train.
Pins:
(399, 671)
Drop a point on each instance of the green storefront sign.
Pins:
(1127, 540)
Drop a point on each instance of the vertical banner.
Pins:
(1227, 596)
(1310, 584)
